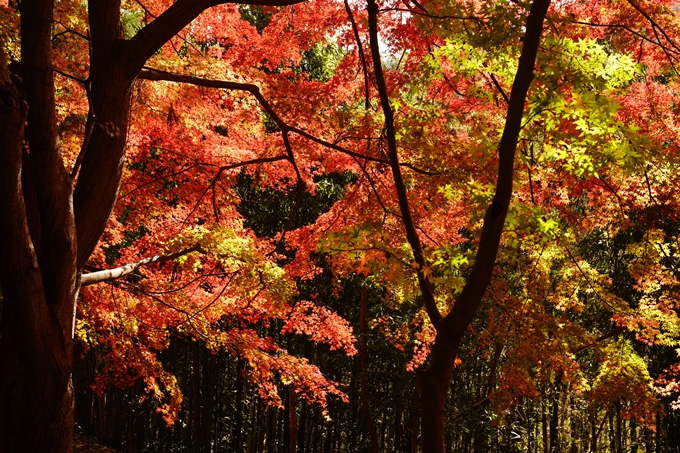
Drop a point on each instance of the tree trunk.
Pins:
(39, 290)
(450, 329)
(366, 412)
(37, 356)
(40, 262)
(292, 419)
(194, 353)
(302, 430)
(237, 443)
(554, 425)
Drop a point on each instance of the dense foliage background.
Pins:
(324, 226)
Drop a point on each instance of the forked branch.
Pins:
(476, 283)
(157, 75)
(153, 36)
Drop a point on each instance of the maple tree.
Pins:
(443, 123)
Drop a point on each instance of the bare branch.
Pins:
(231, 167)
(113, 274)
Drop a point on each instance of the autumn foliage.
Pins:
(287, 99)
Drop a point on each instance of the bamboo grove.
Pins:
(221, 411)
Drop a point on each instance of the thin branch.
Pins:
(354, 154)
(216, 298)
(612, 333)
(157, 75)
(387, 253)
(371, 183)
(185, 285)
(69, 30)
(616, 194)
(578, 266)
(170, 175)
(426, 285)
(655, 26)
(72, 77)
(298, 202)
(231, 167)
(499, 88)
(362, 56)
(432, 16)
(421, 7)
(113, 274)
(137, 290)
(649, 188)
(621, 26)
(665, 51)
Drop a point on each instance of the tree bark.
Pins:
(39, 290)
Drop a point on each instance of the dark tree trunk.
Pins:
(434, 382)
(46, 237)
(39, 290)
(302, 431)
(210, 370)
(554, 425)
(399, 445)
(292, 420)
(238, 417)
(594, 432)
(619, 428)
(194, 353)
(450, 329)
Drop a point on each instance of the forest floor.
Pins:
(84, 444)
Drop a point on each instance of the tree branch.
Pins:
(153, 36)
(360, 48)
(612, 333)
(158, 75)
(623, 27)
(52, 183)
(453, 326)
(106, 275)
(426, 285)
(655, 25)
(231, 167)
